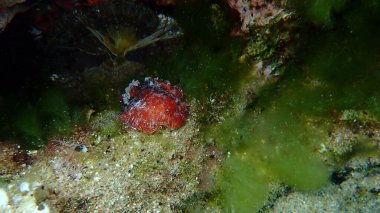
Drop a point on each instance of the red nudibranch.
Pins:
(153, 104)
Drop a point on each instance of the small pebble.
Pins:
(24, 187)
(3, 198)
(81, 148)
(16, 199)
(36, 185)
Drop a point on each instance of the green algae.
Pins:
(276, 147)
(345, 59)
(203, 71)
(279, 137)
(54, 112)
(27, 124)
(78, 115)
(36, 120)
(99, 88)
(205, 62)
(320, 11)
(325, 13)
(245, 190)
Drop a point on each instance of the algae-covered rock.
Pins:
(129, 172)
(23, 197)
(342, 141)
(107, 123)
(355, 190)
(353, 131)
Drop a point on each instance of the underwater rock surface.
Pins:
(130, 172)
(257, 138)
(358, 192)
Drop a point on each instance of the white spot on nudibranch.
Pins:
(126, 96)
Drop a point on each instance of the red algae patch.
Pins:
(153, 104)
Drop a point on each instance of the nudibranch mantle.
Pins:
(153, 104)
